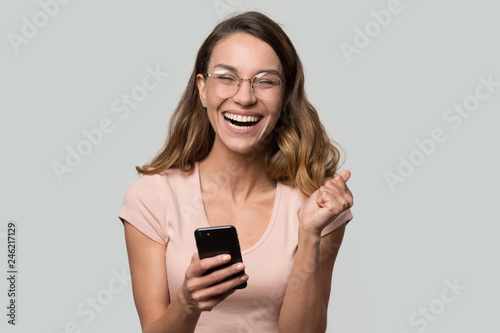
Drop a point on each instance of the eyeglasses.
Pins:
(265, 86)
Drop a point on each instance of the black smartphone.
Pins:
(213, 241)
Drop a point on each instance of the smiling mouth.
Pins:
(241, 122)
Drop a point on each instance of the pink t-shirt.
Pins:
(168, 207)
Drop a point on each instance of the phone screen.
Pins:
(213, 241)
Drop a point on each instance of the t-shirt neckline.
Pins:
(267, 232)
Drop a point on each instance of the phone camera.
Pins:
(208, 234)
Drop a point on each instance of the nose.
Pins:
(244, 95)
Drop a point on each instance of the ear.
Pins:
(202, 88)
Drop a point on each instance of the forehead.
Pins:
(246, 53)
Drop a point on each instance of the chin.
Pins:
(246, 149)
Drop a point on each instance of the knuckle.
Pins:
(335, 210)
(220, 289)
(196, 297)
(190, 286)
(202, 266)
(215, 276)
(188, 274)
(345, 204)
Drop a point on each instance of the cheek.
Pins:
(274, 116)
(213, 104)
(212, 117)
(213, 101)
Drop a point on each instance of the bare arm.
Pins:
(150, 288)
(305, 304)
(159, 314)
(307, 295)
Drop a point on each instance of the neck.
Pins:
(235, 175)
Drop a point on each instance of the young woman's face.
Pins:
(242, 121)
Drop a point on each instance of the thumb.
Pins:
(346, 174)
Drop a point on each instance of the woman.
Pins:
(245, 148)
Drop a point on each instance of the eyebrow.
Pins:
(232, 69)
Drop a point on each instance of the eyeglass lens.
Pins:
(265, 86)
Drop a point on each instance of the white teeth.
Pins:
(236, 126)
(243, 119)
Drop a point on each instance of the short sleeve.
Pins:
(344, 217)
(142, 208)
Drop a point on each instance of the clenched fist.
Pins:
(326, 204)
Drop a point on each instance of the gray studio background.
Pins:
(421, 254)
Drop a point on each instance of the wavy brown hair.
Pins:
(299, 153)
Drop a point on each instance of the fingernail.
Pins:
(240, 267)
(244, 278)
(225, 258)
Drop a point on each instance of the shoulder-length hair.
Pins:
(300, 155)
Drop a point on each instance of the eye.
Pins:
(227, 79)
(266, 81)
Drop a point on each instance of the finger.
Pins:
(337, 184)
(343, 177)
(198, 267)
(329, 199)
(198, 282)
(222, 274)
(335, 201)
(210, 303)
(346, 174)
(219, 289)
(345, 193)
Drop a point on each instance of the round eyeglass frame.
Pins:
(251, 86)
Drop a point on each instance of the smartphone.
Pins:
(213, 241)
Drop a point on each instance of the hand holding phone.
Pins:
(214, 241)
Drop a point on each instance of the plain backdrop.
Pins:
(421, 254)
